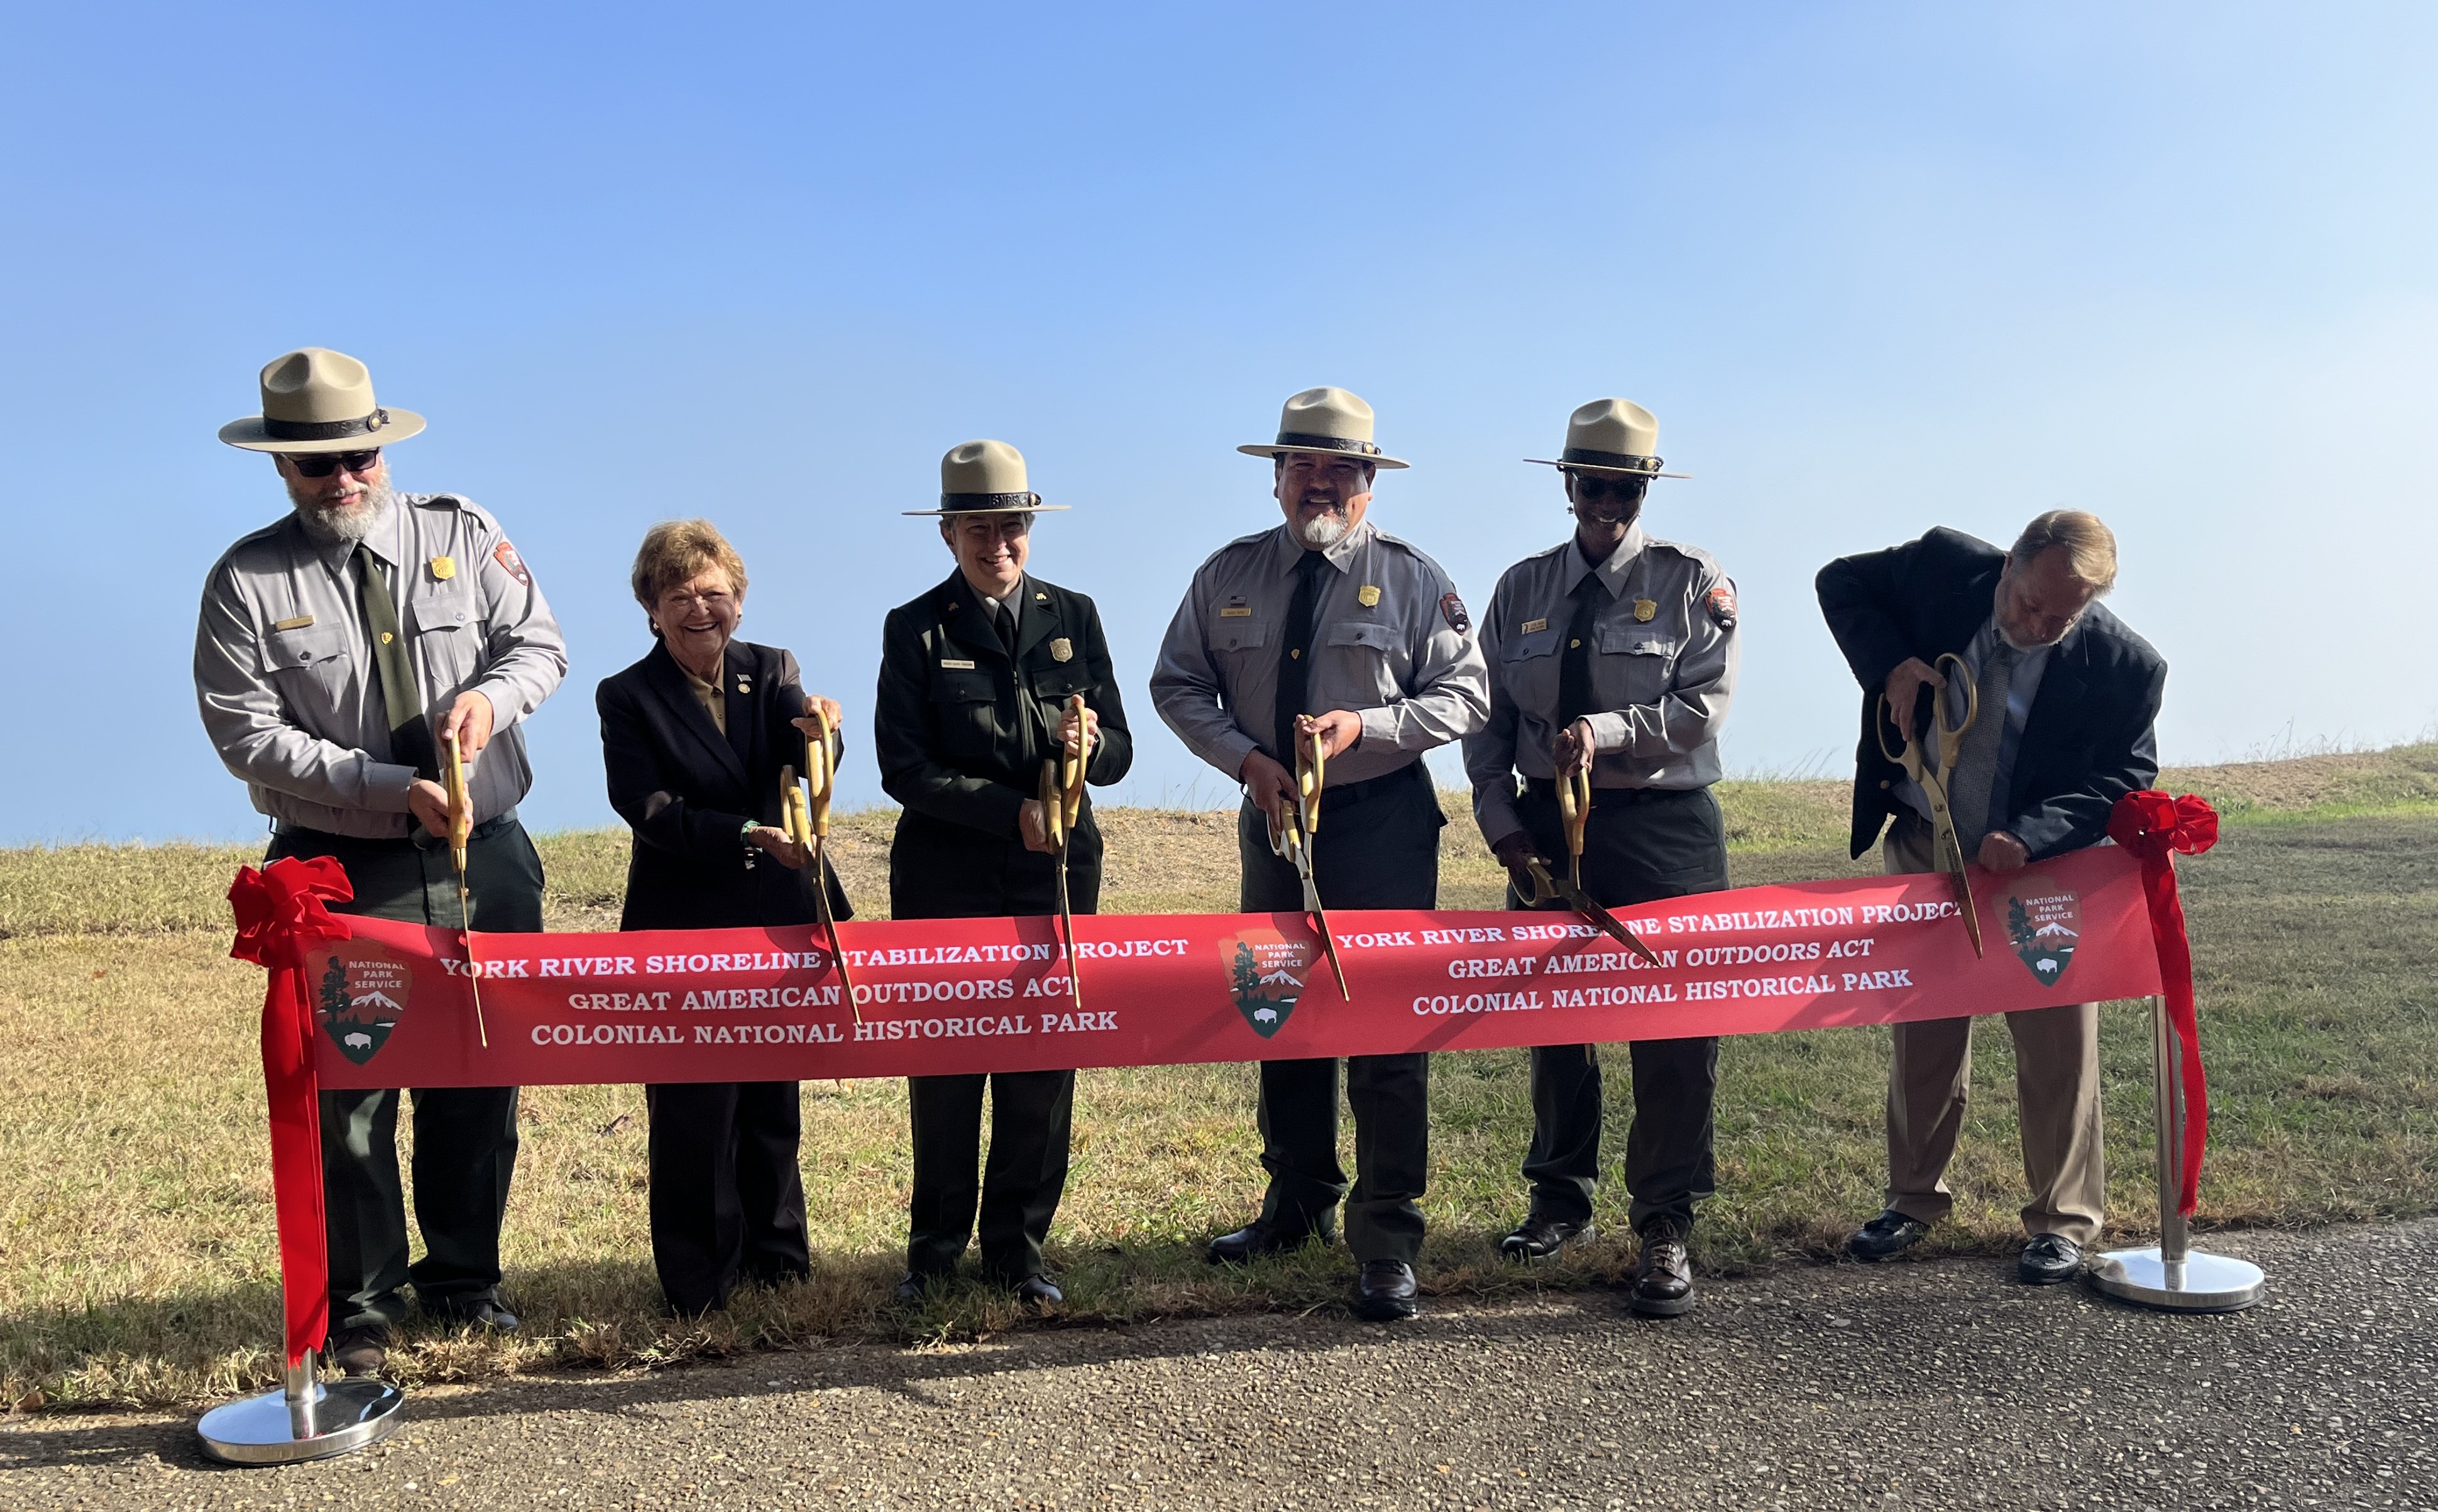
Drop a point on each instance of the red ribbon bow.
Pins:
(281, 914)
(2154, 826)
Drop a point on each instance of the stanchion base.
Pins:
(2203, 1283)
(270, 1430)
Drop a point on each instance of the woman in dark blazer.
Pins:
(694, 736)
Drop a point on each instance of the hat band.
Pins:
(963, 503)
(1585, 456)
(1302, 440)
(323, 429)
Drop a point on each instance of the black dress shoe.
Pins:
(912, 1286)
(1538, 1238)
(485, 1314)
(2048, 1260)
(362, 1350)
(1041, 1292)
(1258, 1237)
(1890, 1233)
(1383, 1292)
(1663, 1277)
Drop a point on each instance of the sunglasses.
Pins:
(1590, 486)
(322, 463)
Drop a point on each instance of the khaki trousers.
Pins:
(2056, 1084)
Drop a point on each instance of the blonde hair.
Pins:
(675, 551)
(2089, 546)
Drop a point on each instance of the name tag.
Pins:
(1531, 625)
(950, 664)
(1238, 612)
(297, 623)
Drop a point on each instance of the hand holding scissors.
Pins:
(1934, 772)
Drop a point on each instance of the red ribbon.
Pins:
(279, 915)
(2154, 826)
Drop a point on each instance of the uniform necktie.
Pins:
(1294, 656)
(1575, 698)
(1976, 765)
(1003, 621)
(410, 733)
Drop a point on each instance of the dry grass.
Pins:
(136, 1250)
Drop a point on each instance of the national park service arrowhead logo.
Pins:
(2043, 923)
(362, 1000)
(1266, 975)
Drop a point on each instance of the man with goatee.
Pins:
(1328, 624)
(342, 651)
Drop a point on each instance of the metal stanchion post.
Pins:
(305, 1419)
(2172, 1275)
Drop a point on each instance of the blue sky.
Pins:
(1876, 268)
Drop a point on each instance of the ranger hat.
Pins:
(984, 478)
(1330, 421)
(1615, 437)
(315, 400)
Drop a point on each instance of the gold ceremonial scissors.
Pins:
(1575, 810)
(806, 821)
(1934, 775)
(1062, 806)
(1575, 813)
(1293, 841)
(461, 832)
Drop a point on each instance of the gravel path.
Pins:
(1939, 1383)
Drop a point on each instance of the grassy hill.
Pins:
(136, 1260)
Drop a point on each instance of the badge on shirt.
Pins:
(511, 563)
(1451, 610)
(955, 664)
(443, 569)
(1531, 625)
(1061, 649)
(742, 685)
(1721, 602)
(1644, 609)
(1367, 596)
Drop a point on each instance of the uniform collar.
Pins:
(1285, 551)
(1613, 572)
(387, 540)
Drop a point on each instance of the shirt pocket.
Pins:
(966, 705)
(1363, 665)
(448, 638)
(1635, 663)
(310, 668)
(1528, 665)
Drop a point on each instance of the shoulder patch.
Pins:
(511, 563)
(1451, 610)
(1721, 602)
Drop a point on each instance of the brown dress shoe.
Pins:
(1663, 1278)
(362, 1350)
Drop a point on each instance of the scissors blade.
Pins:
(1952, 864)
(1066, 921)
(1581, 903)
(1294, 846)
(829, 926)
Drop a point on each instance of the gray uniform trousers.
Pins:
(1379, 851)
(464, 1137)
(2056, 1086)
(1642, 844)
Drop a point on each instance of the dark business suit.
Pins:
(961, 729)
(728, 1200)
(2086, 741)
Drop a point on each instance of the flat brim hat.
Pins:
(314, 399)
(984, 478)
(1328, 421)
(1617, 438)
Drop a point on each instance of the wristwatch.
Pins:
(745, 838)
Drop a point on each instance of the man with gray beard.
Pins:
(341, 651)
(1328, 625)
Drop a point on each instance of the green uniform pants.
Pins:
(464, 1137)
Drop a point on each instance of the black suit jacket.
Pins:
(2089, 737)
(686, 790)
(961, 730)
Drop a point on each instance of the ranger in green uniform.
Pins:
(975, 676)
(1613, 654)
(339, 653)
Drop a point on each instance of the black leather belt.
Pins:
(421, 839)
(1546, 789)
(1339, 795)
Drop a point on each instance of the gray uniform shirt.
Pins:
(1662, 684)
(1405, 660)
(284, 668)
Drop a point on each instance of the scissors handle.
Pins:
(1312, 766)
(1951, 737)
